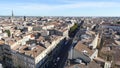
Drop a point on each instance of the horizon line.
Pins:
(58, 16)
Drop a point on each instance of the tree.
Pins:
(72, 29)
(8, 32)
(118, 22)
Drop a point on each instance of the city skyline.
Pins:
(60, 8)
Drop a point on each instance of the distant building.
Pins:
(62, 32)
(48, 27)
(25, 18)
(111, 26)
(12, 17)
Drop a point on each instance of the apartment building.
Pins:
(28, 52)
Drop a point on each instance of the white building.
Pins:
(47, 27)
(94, 42)
(1, 65)
(83, 52)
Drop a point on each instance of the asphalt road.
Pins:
(59, 61)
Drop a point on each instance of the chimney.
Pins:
(24, 53)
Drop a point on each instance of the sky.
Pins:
(60, 7)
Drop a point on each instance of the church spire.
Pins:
(12, 16)
(12, 13)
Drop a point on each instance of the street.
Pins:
(59, 61)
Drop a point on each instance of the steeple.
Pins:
(12, 13)
(25, 18)
(12, 17)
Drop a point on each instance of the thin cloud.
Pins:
(30, 6)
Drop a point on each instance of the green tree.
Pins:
(72, 29)
(8, 32)
(118, 22)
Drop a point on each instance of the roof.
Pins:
(37, 49)
(116, 54)
(81, 47)
(1, 42)
(40, 38)
(34, 49)
(9, 41)
(92, 64)
(63, 30)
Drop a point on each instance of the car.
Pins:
(55, 64)
(58, 58)
(77, 61)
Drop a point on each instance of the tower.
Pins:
(12, 13)
(12, 17)
(25, 18)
